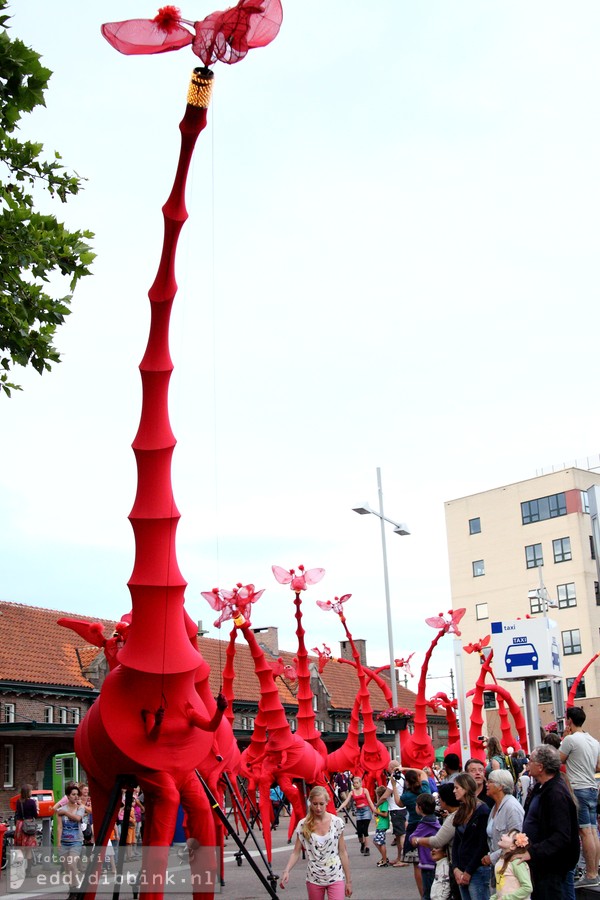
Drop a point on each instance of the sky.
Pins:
(390, 261)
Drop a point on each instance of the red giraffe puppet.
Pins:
(374, 757)
(299, 582)
(475, 728)
(575, 685)
(417, 749)
(348, 755)
(149, 722)
(284, 755)
(441, 699)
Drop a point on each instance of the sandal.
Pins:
(382, 864)
(399, 864)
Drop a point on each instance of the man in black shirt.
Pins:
(551, 825)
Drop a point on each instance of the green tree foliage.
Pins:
(39, 257)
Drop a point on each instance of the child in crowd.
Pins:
(513, 879)
(382, 822)
(427, 826)
(440, 889)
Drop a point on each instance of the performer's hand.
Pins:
(222, 702)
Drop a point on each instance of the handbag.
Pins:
(29, 826)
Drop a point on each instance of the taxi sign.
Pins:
(525, 648)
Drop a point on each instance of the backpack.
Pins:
(510, 766)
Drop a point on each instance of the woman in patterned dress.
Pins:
(321, 836)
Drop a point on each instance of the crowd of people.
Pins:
(510, 828)
(75, 828)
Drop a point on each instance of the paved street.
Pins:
(369, 882)
(241, 883)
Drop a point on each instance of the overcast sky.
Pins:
(391, 260)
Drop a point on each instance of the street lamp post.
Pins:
(401, 529)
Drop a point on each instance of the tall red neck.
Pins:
(158, 640)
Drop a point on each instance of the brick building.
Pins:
(49, 677)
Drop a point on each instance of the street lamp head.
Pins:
(401, 529)
(362, 510)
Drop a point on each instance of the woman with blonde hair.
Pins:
(321, 836)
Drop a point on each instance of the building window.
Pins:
(9, 712)
(475, 526)
(592, 547)
(566, 595)
(561, 548)
(442, 734)
(543, 508)
(544, 691)
(9, 765)
(597, 592)
(533, 556)
(478, 568)
(535, 605)
(315, 703)
(585, 502)
(580, 692)
(48, 715)
(481, 611)
(571, 641)
(489, 700)
(62, 715)
(74, 716)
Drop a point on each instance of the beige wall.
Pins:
(507, 581)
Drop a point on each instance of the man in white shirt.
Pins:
(581, 754)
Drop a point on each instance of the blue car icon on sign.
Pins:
(519, 654)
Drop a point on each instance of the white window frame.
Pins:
(49, 715)
(9, 765)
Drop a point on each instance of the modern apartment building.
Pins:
(500, 541)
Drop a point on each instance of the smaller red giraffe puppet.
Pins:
(276, 753)
(299, 581)
(374, 757)
(417, 749)
(504, 699)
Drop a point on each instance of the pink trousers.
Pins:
(335, 891)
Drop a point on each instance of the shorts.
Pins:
(410, 854)
(398, 818)
(379, 838)
(362, 828)
(71, 851)
(587, 806)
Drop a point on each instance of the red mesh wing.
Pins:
(227, 36)
(136, 36)
(265, 27)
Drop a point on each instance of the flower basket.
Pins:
(395, 718)
(397, 723)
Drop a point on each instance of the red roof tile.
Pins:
(36, 650)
